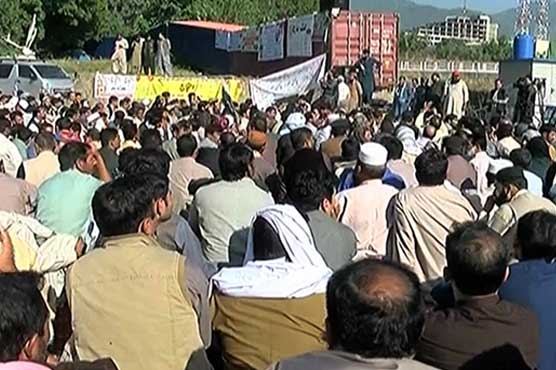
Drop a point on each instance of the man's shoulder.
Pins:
(328, 360)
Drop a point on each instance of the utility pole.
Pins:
(523, 17)
(543, 21)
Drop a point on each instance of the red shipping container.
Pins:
(352, 32)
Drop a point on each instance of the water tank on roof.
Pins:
(524, 47)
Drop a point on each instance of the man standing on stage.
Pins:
(366, 67)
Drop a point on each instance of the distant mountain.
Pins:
(489, 6)
(413, 15)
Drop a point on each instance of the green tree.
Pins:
(71, 23)
(15, 19)
(411, 46)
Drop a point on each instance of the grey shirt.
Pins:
(334, 241)
(335, 360)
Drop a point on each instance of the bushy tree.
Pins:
(15, 19)
(71, 23)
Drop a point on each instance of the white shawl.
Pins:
(305, 275)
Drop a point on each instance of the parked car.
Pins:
(33, 77)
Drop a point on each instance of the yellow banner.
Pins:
(180, 87)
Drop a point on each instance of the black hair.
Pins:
(367, 317)
(144, 160)
(477, 258)
(536, 234)
(63, 123)
(259, 123)
(234, 161)
(454, 145)
(227, 138)
(22, 133)
(521, 158)
(23, 312)
(94, 134)
(431, 168)
(71, 153)
(393, 145)
(45, 141)
(129, 129)
(120, 206)
(350, 149)
(107, 135)
(340, 127)
(307, 180)
(538, 148)
(186, 145)
(504, 130)
(150, 139)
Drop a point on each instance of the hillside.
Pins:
(413, 15)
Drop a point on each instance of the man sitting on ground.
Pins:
(481, 331)
(117, 304)
(423, 217)
(222, 212)
(184, 170)
(64, 200)
(375, 317)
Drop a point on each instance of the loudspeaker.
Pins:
(326, 5)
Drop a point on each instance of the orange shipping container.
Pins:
(352, 32)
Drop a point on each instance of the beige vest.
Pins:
(42, 168)
(128, 302)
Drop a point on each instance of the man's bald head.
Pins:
(375, 309)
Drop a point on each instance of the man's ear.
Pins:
(160, 207)
(29, 348)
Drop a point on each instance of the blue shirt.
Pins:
(532, 284)
(534, 183)
(64, 202)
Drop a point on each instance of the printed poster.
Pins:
(300, 36)
(271, 42)
(250, 39)
(107, 85)
(234, 43)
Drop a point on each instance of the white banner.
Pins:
(107, 85)
(290, 82)
(235, 41)
(222, 40)
(300, 36)
(271, 42)
(250, 39)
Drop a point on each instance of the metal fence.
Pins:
(445, 66)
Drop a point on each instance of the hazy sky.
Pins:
(484, 5)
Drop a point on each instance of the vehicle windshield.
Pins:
(51, 72)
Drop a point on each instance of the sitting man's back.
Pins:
(128, 298)
(375, 316)
(481, 331)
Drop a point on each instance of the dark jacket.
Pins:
(481, 333)
(531, 284)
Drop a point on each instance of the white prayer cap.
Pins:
(146, 102)
(295, 121)
(373, 154)
(496, 165)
